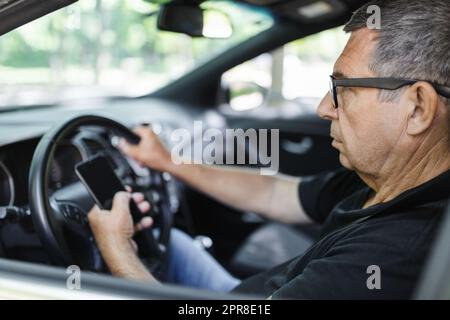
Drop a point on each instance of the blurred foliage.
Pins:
(114, 46)
(325, 46)
(112, 34)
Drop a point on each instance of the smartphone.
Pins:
(102, 183)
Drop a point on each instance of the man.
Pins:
(379, 213)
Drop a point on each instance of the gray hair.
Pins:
(414, 41)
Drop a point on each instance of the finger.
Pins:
(145, 223)
(129, 189)
(95, 209)
(144, 207)
(128, 148)
(143, 131)
(134, 246)
(94, 214)
(123, 145)
(138, 197)
(121, 202)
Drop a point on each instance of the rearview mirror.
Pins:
(194, 21)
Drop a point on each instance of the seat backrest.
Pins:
(435, 281)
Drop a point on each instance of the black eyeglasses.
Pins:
(378, 83)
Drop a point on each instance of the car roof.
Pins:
(14, 13)
(307, 11)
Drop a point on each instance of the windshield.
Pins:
(97, 48)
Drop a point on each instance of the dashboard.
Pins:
(7, 190)
(15, 161)
(21, 131)
(14, 167)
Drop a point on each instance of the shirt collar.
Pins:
(435, 189)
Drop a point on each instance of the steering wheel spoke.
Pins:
(73, 214)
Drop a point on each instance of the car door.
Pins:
(304, 142)
(20, 280)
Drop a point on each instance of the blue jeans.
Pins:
(192, 266)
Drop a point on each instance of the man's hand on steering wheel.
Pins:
(149, 151)
(113, 230)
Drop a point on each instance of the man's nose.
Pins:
(326, 110)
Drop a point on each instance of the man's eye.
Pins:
(344, 94)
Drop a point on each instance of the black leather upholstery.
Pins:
(268, 246)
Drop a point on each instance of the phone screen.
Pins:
(100, 179)
(102, 183)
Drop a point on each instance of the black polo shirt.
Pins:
(394, 236)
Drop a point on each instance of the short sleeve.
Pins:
(319, 194)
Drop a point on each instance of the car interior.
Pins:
(43, 205)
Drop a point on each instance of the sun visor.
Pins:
(15, 13)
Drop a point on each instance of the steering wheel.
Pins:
(60, 219)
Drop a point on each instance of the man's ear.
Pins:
(424, 102)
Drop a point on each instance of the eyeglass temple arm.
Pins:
(380, 83)
(388, 84)
(443, 91)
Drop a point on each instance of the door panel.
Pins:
(304, 145)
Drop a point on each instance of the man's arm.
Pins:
(275, 197)
(122, 261)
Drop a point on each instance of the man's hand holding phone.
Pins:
(114, 229)
(118, 214)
